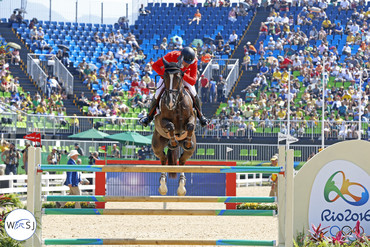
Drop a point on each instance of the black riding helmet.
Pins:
(188, 55)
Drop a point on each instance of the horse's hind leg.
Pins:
(158, 144)
(181, 190)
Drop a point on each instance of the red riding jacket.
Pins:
(190, 73)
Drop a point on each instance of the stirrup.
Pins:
(203, 121)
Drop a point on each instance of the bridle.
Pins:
(171, 95)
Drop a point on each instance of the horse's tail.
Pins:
(172, 157)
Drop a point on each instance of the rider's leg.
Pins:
(202, 119)
(153, 105)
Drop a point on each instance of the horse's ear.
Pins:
(179, 61)
(165, 63)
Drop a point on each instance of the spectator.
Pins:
(19, 17)
(197, 17)
(115, 152)
(164, 44)
(221, 89)
(11, 157)
(53, 158)
(79, 149)
(219, 38)
(233, 38)
(251, 49)
(73, 179)
(141, 153)
(142, 10)
(212, 91)
(25, 156)
(13, 18)
(232, 15)
(204, 87)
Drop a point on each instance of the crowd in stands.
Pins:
(12, 93)
(298, 43)
(289, 50)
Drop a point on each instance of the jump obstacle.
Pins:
(34, 200)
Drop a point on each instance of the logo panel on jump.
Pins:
(20, 224)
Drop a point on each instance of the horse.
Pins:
(174, 125)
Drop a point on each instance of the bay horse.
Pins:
(174, 125)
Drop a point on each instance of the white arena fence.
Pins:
(51, 184)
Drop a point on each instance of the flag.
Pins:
(229, 149)
(33, 137)
(103, 148)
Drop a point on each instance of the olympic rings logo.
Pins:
(347, 231)
(344, 190)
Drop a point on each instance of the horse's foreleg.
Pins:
(162, 184)
(181, 190)
(170, 127)
(187, 153)
(188, 144)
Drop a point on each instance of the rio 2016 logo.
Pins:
(344, 190)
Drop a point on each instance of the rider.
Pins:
(189, 66)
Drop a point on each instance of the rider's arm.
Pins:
(191, 73)
(158, 67)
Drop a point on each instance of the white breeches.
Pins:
(161, 86)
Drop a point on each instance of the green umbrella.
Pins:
(149, 137)
(90, 134)
(132, 137)
(196, 42)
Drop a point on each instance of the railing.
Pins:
(252, 154)
(218, 129)
(309, 129)
(228, 68)
(36, 72)
(63, 75)
(52, 66)
(233, 75)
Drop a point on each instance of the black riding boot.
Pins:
(202, 119)
(145, 121)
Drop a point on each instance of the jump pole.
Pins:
(188, 212)
(223, 242)
(202, 199)
(160, 168)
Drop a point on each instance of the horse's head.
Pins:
(173, 83)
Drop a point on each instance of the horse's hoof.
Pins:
(186, 148)
(181, 190)
(163, 186)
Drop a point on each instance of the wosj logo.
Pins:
(20, 224)
(344, 192)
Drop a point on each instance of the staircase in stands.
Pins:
(245, 77)
(251, 35)
(20, 70)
